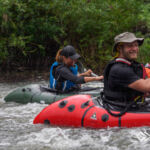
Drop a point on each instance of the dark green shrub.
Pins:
(91, 25)
(31, 31)
(28, 31)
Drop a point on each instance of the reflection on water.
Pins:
(17, 131)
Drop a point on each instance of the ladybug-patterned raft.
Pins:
(84, 111)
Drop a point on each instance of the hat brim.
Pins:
(139, 40)
(75, 56)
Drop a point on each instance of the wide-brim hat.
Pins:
(126, 37)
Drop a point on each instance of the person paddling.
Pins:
(125, 80)
(64, 72)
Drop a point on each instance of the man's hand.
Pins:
(99, 78)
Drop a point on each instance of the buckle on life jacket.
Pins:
(139, 99)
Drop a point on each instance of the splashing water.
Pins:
(17, 131)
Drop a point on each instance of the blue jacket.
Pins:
(66, 84)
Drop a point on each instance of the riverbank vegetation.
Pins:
(31, 31)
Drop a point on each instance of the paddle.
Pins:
(94, 75)
(82, 68)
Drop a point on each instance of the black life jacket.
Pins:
(124, 94)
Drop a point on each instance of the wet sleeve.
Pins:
(68, 75)
(122, 76)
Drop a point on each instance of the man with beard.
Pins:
(125, 83)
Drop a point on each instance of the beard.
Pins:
(130, 55)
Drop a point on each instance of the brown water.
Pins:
(17, 131)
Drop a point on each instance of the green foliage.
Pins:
(145, 51)
(30, 28)
(91, 25)
(144, 25)
(26, 28)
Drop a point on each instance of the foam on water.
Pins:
(17, 132)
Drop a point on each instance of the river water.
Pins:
(17, 131)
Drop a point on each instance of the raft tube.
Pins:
(85, 111)
(42, 94)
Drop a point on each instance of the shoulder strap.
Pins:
(123, 61)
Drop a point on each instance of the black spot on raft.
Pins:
(23, 90)
(105, 117)
(46, 122)
(85, 104)
(71, 108)
(62, 104)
